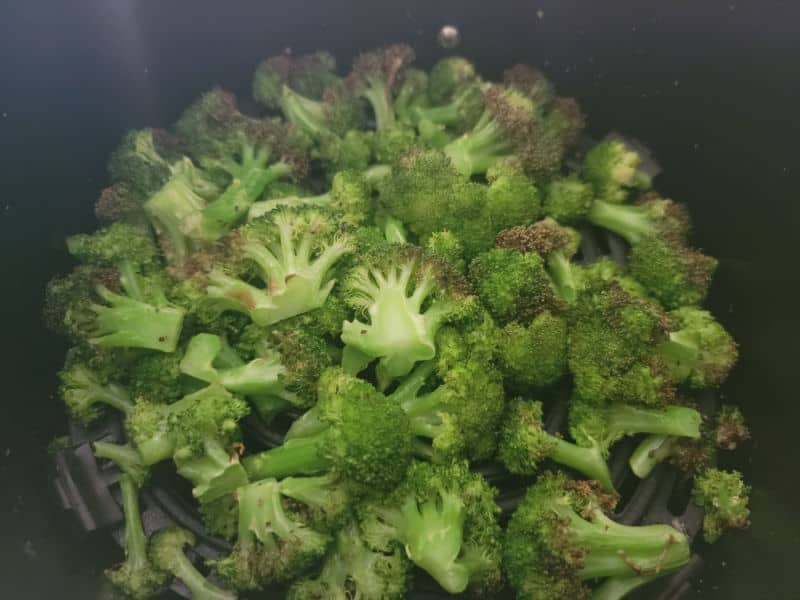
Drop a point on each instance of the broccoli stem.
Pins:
(259, 209)
(447, 114)
(563, 276)
(215, 473)
(113, 395)
(306, 425)
(125, 457)
(475, 151)
(375, 173)
(681, 353)
(394, 231)
(616, 588)
(129, 279)
(295, 456)
(377, 95)
(588, 461)
(679, 421)
(615, 550)
(224, 212)
(199, 586)
(268, 406)
(135, 540)
(652, 451)
(632, 223)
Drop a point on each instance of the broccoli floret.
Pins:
(138, 577)
(448, 76)
(514, 125)
(352, 569)
(283, 372)
(199, 431)
(212, 128)
(293, 251)
(613, 169)
(612, 341)
(513, 286)
(358, 434)
(698, 352)
(511, 198)
(725, 432)
(309, 75)
(84, 393)
(349, 199)
(156, 376)
(411, 95)
(446, 246)
(534, 355)
(349, 152)
(556, 244)
(376, 75)
(531, 82)
(392, 143)
(459, 417)
(166, 553)
(408, 296)
(725, 496)
(142, 160)
(446, 519)
(674, 274)
(559, 538)
(460, 112)
(126, 457)
(428, 195)
(271, 546)
(568, 200)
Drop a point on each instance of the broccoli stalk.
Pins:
(353, 569)
(166, 553)
(84, 394)
(271, 546)
(653, 217)
(445, 518)
(294, 257)
(126, 457)
(365, 437)
(525, 443)
(559, 537)
(139, 577)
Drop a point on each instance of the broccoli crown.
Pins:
(407, 295)
(446, 246)
(674, 274)
(534, 355)
(156, 377)
(352, 569)
(448, 76)
(392, 143)
(446, 519)
(377, 75)
(511, 285)
(428, 195)
(531, 82)
(560, 537)
(731, 429)
(460, 416)
(116, 202)
(271, 546)
(650, 217)
(612, 341)
(292, 251)
(613, 169)
(567, 200)
(725, 497)
(142, 160)
(511, 199)
(138, 577)
(111, 247)
(308, 75)
(356, 432)
(185, 427)
(349, 152)
(698, 351)
(166, 553)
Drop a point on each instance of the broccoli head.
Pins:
(725, 497)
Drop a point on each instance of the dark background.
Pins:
(712, 87)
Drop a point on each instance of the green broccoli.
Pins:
(166, 553)
(559, 538)
(84, 393)
(127, 459)
(408, 296)
(139, 577)
(613, 169)
(293, 252)
(567, 200)
(355, 432)
(534, 355)
(353, 570)
(725, 496)
(446, 519)
(142, 161)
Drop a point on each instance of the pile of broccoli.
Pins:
(386, 267)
